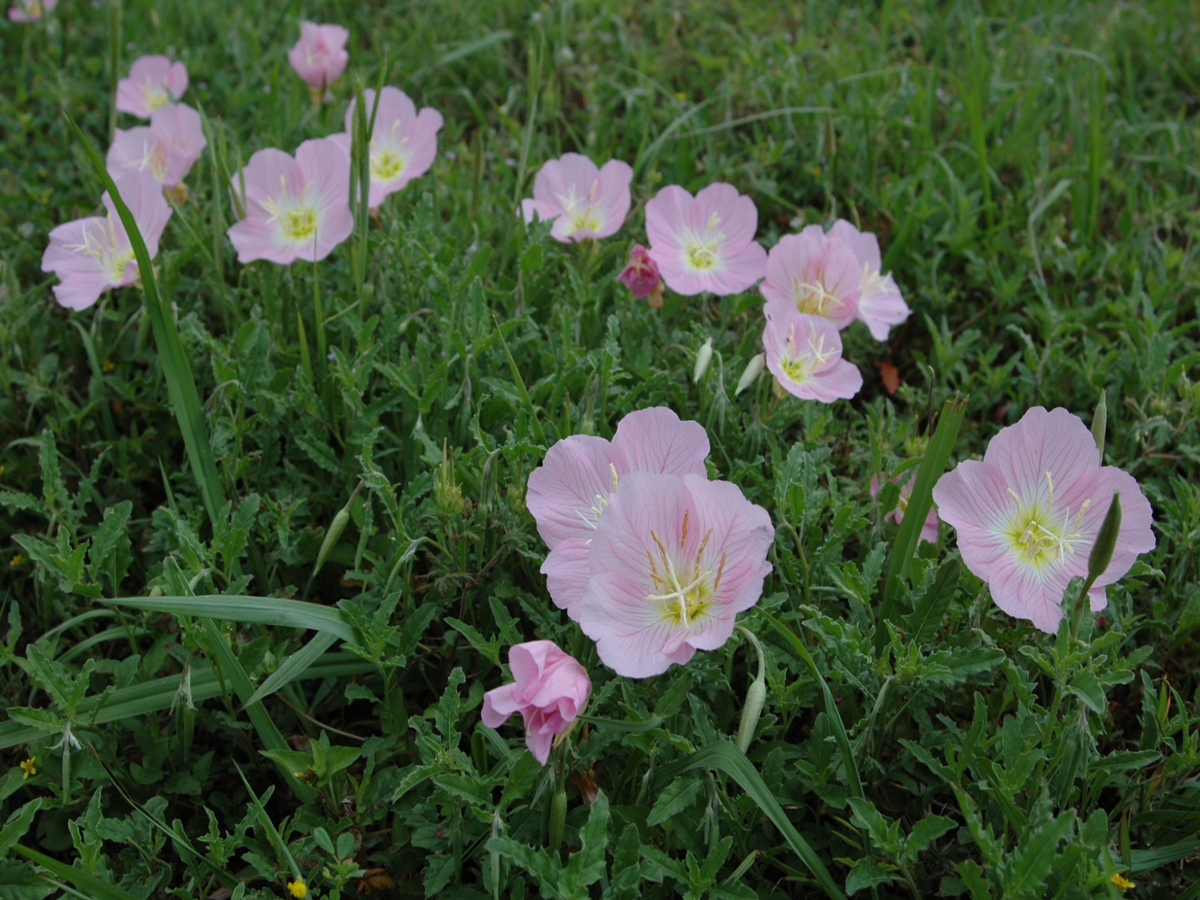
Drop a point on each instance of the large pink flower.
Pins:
(706, 242)
(569, 492)
(403, 142)
(549, 689)
(672, 563)
(804, 353)
(153, 81)
(817, 273)
(320, 56)
(94, 254)
(295, 208)
(166, 149)
(929, 528)
(1028, 515)
(880, 305)
(583, 201)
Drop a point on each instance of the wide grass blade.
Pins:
(941, 445)
(181, 386)
(258, 610)
(733, 762)
(89, 885)
(294, 666)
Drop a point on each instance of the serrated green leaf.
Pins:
(678, 796)
(16, 826)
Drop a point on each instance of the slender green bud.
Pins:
(1100, 423)
(558, 817)
(756, 696)
(703, 358)
(750, 375)
(1106, 541)
(331, 537)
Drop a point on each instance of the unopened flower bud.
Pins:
(558, 817)
(1100, 423)
(446, 490)
(331, 537)
(703, 358)
(750, 375)
(756, 696)
(1106, 541)
(641, 276)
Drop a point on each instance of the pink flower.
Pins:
(403, 142)
(929, 529)
(571, 489)
(1028, 515)
(94, 254)
(295, 208)
(641, 275)
(817, 273)
(583, 201)
(880, 305)
(153, 81)
(672, 563)
(549, 690)
(167, 149)
(320, 56)
(706, 242)
(30, 10)
(804, 353)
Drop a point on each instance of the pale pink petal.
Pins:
(567, 573)
(568, 492)
(736, 215)
(882, 308)
(864, 244)
(137, 150)
(666, 218)
(656, 440)
(182, 132)
(143, 195)
(615, 177)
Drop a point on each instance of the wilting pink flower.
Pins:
(30, 10)
(672, 563)
(569, 492)
(641, 275)
(929, 528)
(880, 305)
(804, 353)
(706, 242)
(94, 254)
(153, 81)
(583, 201)
(549, 689)
(166, 149)
(1028, 514)
(295, 208)
(320, 55)
(818, 273)
(403, 142)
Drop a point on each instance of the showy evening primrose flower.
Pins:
(320, 56)
(1028, 515)
(706, 242)
(403, 142)
(94, 254)
(153, 81)
(584, 201)
(880, 305)
(549, 689)
(804, 353)
(295, 208)
(672, 562)
(166, 149)
(570, 490)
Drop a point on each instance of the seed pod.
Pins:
(703, 358)
(756, 696)
(750, 375)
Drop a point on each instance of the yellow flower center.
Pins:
(101, 244)
(700, 251)
(683, 594)
(581, 213)
(814, 297)
(800, 364)
(298, 219)
(1036, 535)
(386, 163)
(153, 96)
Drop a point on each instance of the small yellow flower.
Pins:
(298, 888)
(16, 560)
(28, 767)
(1120, 881)
(108, 365)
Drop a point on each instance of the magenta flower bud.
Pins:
(641, 275)
(550, 688)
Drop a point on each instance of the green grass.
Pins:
(1030, 169)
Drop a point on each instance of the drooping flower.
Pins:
(804, 353)
(403, 142)
(30, 10)
(929, 528)
(880, 305)
(166, 149)
(94, 254)
(153, 81)
(641, 276)
(583, 201)
(320, 56)
(706, 242)
(672, 563)
(817, 273)
(1028, 514)
(549, 689)
(295, 208)
(571, 489)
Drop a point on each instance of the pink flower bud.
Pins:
(549, 689)
(320, 55)
(641, 275)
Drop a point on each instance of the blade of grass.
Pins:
(941, 445)
(520, 384)
(259, 610)
(90, 885)
(181, 386)
(268, 826)
(294, 666)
